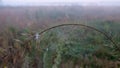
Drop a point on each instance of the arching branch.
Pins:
(108, 37)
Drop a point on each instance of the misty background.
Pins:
(60, 2)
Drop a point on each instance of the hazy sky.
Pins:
(20, 2)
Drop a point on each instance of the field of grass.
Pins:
(62, 47)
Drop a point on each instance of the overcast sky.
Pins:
(36, 2)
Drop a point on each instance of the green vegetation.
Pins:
(62, 47)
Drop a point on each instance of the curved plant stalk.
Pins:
(108, 37)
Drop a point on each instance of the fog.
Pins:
(60, 2)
